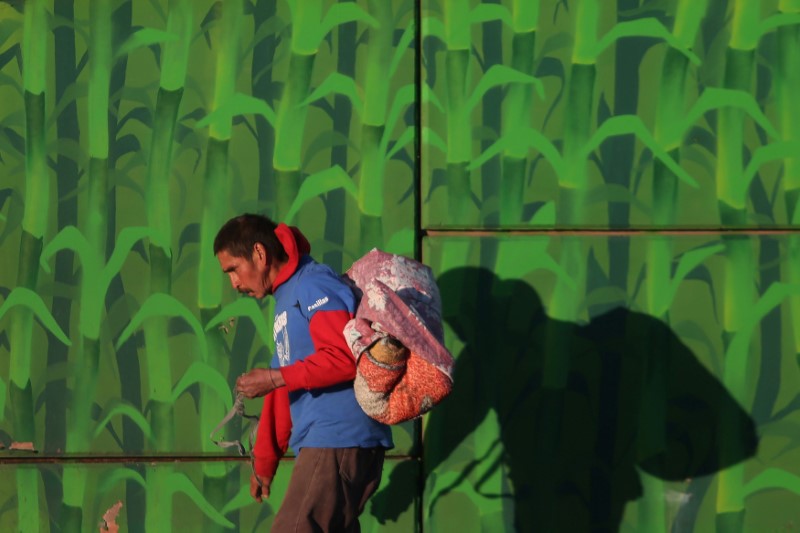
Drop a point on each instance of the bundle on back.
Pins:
(397, 338)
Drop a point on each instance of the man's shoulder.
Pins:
(317, 284)
(311, 272)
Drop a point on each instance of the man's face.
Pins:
(248, 276)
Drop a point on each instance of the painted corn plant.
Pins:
(83, 429)
(160, 482)
(34, 222)
(310, 26)
(380, 111)
(226, 43)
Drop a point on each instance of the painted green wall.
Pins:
(607, 192)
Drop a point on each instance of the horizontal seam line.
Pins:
(605, 232)
(130, 459)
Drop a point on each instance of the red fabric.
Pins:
(296, 245)
(274, 429)
(331, 363)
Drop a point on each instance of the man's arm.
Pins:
(331, 363)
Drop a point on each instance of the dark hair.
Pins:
(238, 236)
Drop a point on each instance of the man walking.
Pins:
(309, 403)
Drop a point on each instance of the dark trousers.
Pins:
(329, 489)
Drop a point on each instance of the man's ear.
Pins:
(259, 253)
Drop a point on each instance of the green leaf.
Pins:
(402, 141)
(72, 149)
(717, 98)
(118, 475)
(544, 216)
(343, 13)
(204, 374)
(517, 257)
(776, 21)
(273, 26)
(144, 37)
(784, 428)
(429, 97)
(402, 45)
(338, 83)
(785, 431)
(689, 330)
(606, 296)
(688, 262)
(238, 104)
(30, 300)
(125, 242)
(2, 400)
(123, 407)
(164, 305)
(180, 482)
(57, 21)
(610, 192)
(9, 25)
(431, 138)
(404, 97)
(320, 183)
(501, 75)
(70, 238)
(324, 142)
(292, 8)
(432, 26)
(735, 374)
(534, 139)
(556, 42)
(500, 145)
(241, 500)
(491, 12)
(248, 308)
(773, 479)
(644, 27)
(764, 154)
(401, 242)
(627, 124)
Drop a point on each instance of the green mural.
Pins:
(132, 130)
(607, 192)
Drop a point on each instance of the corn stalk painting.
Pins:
(37, 189)
(476, 132)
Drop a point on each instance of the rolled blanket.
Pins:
(403, 367)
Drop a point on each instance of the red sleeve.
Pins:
(274, 429)
(331, 363)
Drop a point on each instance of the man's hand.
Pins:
(259, 491)
(259, 382)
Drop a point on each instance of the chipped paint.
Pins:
(23, 446)
(108, 524)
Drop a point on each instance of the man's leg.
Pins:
(329, 489)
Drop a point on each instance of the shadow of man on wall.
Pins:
(580, 408)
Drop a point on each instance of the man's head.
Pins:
(250, 253)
